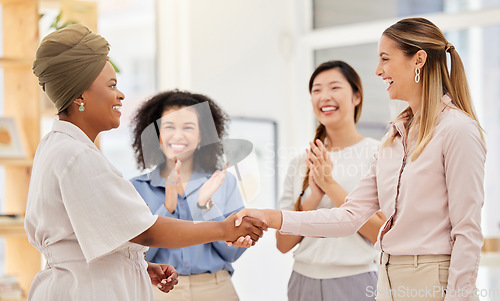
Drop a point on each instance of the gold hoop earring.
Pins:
(417, 75)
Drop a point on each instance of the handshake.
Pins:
(245, 227)
(241, 229)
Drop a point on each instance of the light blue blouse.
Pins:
(206, 258)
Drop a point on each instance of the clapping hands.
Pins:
(171, 186)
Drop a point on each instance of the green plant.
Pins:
(58, 24)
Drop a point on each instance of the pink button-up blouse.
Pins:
(433, 203)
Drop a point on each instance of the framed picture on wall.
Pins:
(257, 172)
(11, 141)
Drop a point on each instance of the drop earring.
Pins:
(81, 108)
(417, 75)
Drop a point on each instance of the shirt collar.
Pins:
(155, 178)
(398, 128)
(73, 131)
(398, 125)
(446, 99)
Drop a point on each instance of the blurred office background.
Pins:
(255, 57)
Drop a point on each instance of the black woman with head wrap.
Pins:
(87, 220)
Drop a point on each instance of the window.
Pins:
(479, 48)
(327, 13)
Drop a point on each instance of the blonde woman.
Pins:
(336, 268)
(427, 178)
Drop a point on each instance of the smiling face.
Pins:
(102, 101)
(332, 99)
(398, 71)
(179, 133)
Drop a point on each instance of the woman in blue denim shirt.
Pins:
(188, 127)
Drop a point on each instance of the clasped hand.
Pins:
(320, 177)
(164, 276)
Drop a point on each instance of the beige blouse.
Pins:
(81, 214)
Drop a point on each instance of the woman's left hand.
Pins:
(164, 276)
(211, 186)
(321, 165)
(241, 242)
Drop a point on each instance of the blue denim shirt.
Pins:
(206, 258)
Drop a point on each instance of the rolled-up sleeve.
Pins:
(464, 158)
(105, 210)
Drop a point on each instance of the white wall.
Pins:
(242, 54)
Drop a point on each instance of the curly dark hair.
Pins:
(152, 110)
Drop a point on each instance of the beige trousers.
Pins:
(413, 277)
(201, 287)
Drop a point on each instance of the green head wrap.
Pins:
(68, 61)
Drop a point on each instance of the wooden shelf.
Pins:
(12, 226)
(16, 162)
(20, 91)
(34, 1)
(20, 39)
(15, 1)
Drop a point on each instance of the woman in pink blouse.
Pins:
(427, 176)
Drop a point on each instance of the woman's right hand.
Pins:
(247, 226)
(271, 218)
(164, 276)
(171, 184)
